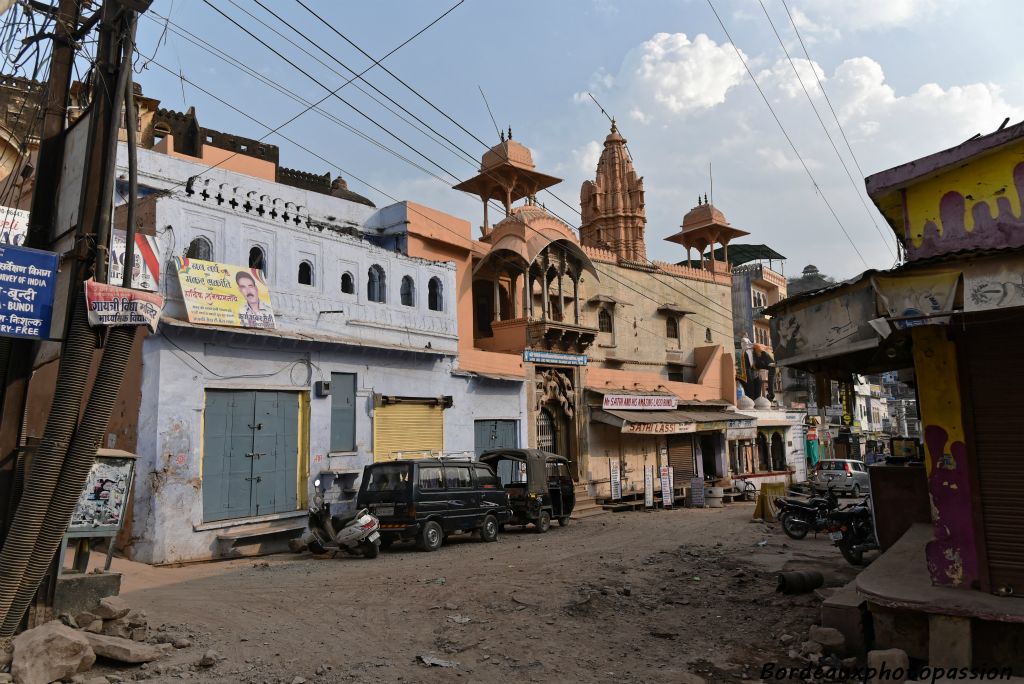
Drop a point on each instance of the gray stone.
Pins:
(122, 650)
(111, 608)
(181, 642)
(85, 618)
(117, 627)
(5, 678)
(139, 633)
(831, 639)
(786, 638)
(894, 661)
(137, 618)
(809, 647)
(6, 655)
(298, 680)
(210, 658)
(50, 652)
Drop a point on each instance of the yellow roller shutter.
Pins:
(407, 431)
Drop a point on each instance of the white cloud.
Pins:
(830, 17)
(782, 161)
(637, 115)
(585, 157)
(876, 113)
(600, 81)
(782, 77)
(683, 75)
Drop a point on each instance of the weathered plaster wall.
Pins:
(168, 495)
(952, 556)
(969, 206)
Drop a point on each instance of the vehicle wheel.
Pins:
(856, 491)
(563, 521)
(370, 549)
(431, 537)
(792, 528)
(543, 523)
(316, 548)
(852, 557)
(386, 542)
(489, 529)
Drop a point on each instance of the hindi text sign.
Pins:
(666, 486)
(218, 294)
(111, 305)
(649, 486)
(615, 477)
(27, 280)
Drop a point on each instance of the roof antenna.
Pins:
(712, 179)
(489, 113)
(1003, 125)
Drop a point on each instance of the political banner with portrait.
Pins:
(219, 294)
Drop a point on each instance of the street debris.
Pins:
(434, 661)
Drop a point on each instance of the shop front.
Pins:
(630, 431)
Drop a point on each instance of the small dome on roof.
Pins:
(703, 215)
(507, 152)
(810, 269)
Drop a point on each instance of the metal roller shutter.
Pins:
(680, 458)
(407, 431)
(998, 445)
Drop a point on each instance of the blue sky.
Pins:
(906, 77)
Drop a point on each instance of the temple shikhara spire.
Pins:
(613, 203)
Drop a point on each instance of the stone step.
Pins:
(578, 514)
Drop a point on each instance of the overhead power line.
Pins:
(810, 101)
(785, 133)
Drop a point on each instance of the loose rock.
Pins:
(181, 642)
(210, 658)
(894, 660)
(111, 608)
(811, 647)
(831, 639)
(117, 627)
(122, 650)
(50, 652)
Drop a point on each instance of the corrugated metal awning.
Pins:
(670, 422)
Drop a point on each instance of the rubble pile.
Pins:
(67, 649)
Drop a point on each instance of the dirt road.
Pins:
(629, 597)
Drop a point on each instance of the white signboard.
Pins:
(649, 486)
(666, 486)
(615, 477)
(659, 428)
(646, 402)
(13, 226)
(146, 274)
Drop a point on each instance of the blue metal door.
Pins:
(250, 453)
(495, 434)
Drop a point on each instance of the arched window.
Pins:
(408, 291)
(348, 283)
(305, 273)
(257, 258)
(435, 295)
(604, 321)
(671, 328)
(200, 248)
(376, 286)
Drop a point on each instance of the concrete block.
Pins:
(76, 593)
(890, 665)
(845, 611)
(949, 641)
(831, 639)
(906, 630)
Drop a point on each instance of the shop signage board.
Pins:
(554, 358)
(666, 486)
(615, 477)
(103, 501)
(13, 226)
(741, 433)
(219, 294)
(658, 428)
(644, 402)
(649, 486)
(146, 273)
(697, 492)
(109, 305)
(27, 281)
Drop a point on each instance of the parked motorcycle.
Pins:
(852, 529)
(354, 533)
(798, 517)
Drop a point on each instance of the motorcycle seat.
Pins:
(340, 521)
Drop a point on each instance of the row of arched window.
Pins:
(376, 279)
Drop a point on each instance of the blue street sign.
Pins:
(27, 281)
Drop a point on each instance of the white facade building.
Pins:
(236, 423)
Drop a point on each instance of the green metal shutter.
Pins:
(343, 411)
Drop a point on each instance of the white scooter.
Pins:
(355, 533)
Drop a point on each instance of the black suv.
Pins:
(425, 500)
